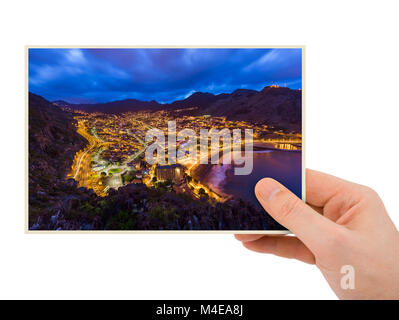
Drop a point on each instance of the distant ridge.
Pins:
(273, 105)
(118, 106)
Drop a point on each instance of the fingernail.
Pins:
(267, 189)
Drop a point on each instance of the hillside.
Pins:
(53, 142)
(53, 139)
(276, 106)
(200, 100)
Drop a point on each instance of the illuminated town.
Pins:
(115, 153)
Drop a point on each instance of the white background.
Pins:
(352, 129)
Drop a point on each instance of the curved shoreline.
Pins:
(270, 146)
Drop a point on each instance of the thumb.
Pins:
(290, 211)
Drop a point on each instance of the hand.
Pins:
(342, 224)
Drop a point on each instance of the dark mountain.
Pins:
(52, 136)
(197, 99)
(278, 106)
(61, 103)
(119, 106)
(223, 106)
(200, 100)
(239, 93)
(53, 142)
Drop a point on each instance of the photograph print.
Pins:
(161, 139)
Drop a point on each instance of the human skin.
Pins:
(341, 224)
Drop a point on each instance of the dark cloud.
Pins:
(100, 75)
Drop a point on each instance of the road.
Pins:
(81, 166)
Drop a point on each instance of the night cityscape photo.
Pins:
(92, 112)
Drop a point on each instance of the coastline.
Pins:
(290, 147)
(213, 176)
(218, 176)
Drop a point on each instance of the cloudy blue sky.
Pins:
(164, 75)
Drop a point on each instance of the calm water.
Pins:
(284, 166)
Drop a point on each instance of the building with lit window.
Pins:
(172, 172)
